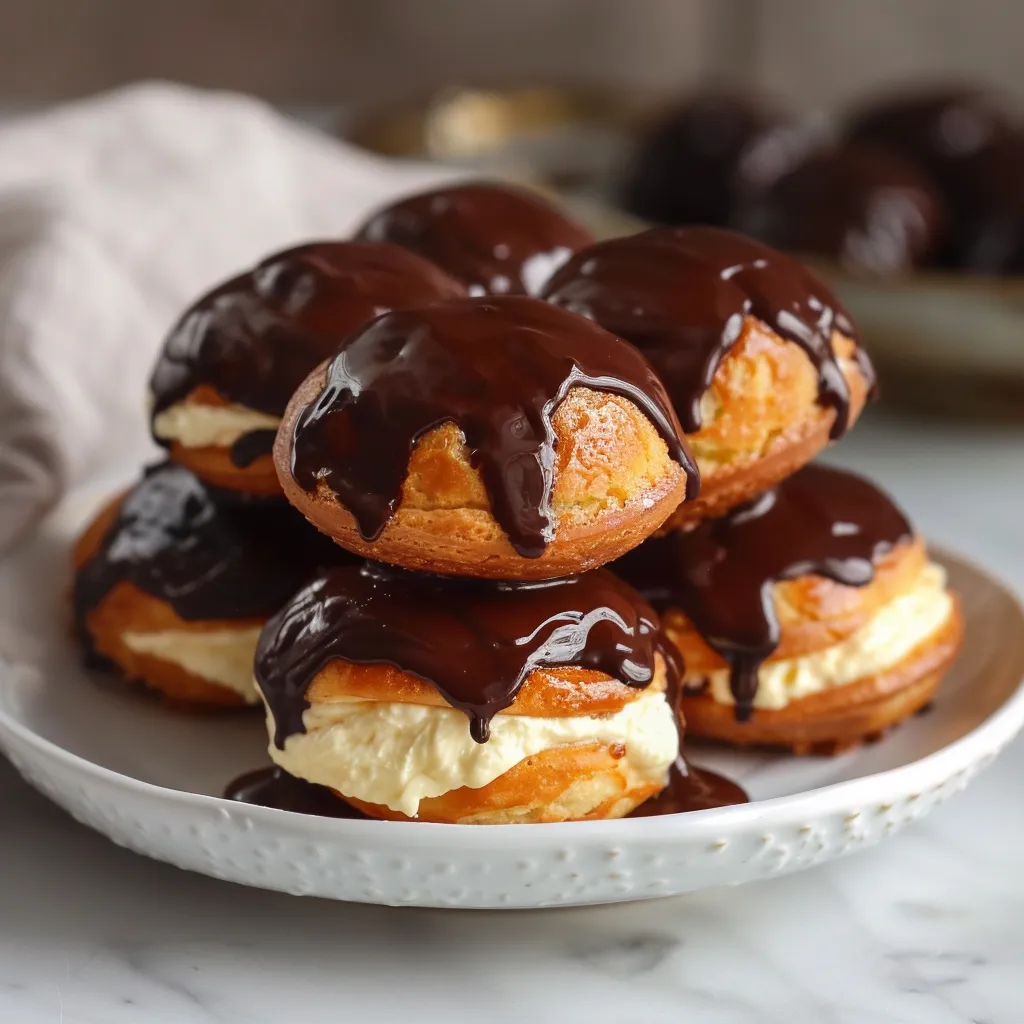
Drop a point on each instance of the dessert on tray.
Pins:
(564, 517)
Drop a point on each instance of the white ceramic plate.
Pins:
(149, 778)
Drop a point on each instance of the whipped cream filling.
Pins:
(398, 754)
(891, 634)
(223, 657)
(209, 426)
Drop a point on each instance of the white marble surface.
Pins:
(928, 927)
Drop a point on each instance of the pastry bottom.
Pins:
(839, 719)
(580, 782)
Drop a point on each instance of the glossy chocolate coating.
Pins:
(255, 338)
(820, 521)
(274, 787)
(938, 126)
(990, 230)
(496, 239)
(862, 206)
(171, 540)
(475, 641)
(707, 153)
(680, 295)
(498, 368)
(691, 789)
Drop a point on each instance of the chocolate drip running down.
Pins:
(497, 240)
(496, 368)
(171, 540)
(681, 294)
(820, 521)
(474, 641)
(254, 339)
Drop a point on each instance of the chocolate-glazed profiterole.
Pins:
(989, 237)
(497, 437)
(496, 239)
(234, 359)
(172, 588)
(810, 615)
(758, 356)
(865, 207)
(936, 126)
(469, 700)
(707, 153)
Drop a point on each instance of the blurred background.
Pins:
(321, 53)
(589, 98)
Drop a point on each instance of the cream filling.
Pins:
(399, 754)
(891, 634)
(210, 426)
(223, 656)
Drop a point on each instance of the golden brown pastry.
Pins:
(811, 618)
(470, 701)
(172, 590)
(758, 357)
(500, 438)
(231, 363)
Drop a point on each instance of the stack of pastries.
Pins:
(562, 512)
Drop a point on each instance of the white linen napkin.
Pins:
(115, 213)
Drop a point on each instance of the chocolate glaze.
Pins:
(989, 237)
(255, 338)
(863, 206)
(273, 787)
(706, 153)
(936, 126)
(498, 368)
(691, 789)
(820, 521)
(475, 641)
(208, 561)
(680, 295)
(496, 239)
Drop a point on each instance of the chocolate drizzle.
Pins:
(498, 369)
(255, 338)
(273, 787)
(681, 294)
(820, 521)
(208, 561)
(474, 641)
(496, 239)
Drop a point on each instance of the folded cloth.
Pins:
(115, 213)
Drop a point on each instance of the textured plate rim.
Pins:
(985, 740)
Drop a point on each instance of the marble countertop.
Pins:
(928, 927)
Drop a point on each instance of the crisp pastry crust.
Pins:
(762, 419)
(580, 782)
(212, 463)
(127, 610)
(615, 484)
(837, 719)
(546, 693)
